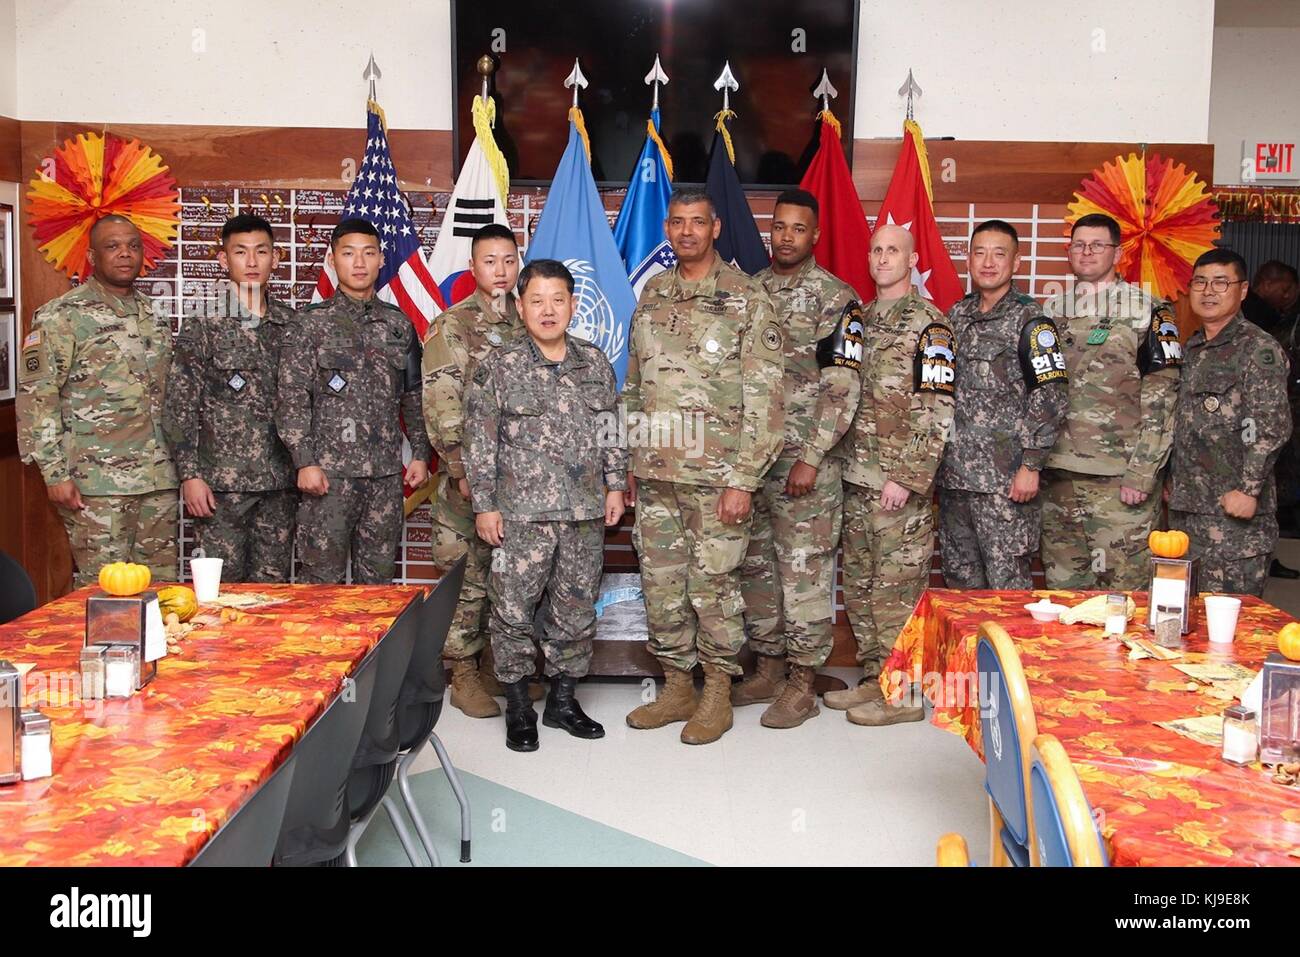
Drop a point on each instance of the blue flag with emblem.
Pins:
(574, 229)
(639, 231)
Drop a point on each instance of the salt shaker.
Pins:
(36, 750)
(1240, 736)
(1116, 614)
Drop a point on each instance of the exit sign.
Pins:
(1265, 161)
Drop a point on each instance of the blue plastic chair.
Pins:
(1065, 833)
(1009, 729)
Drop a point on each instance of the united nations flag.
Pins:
(574, 229)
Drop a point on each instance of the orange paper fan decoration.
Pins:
(96, 176)
(1165, 214)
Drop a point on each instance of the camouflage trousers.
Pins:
(363, 514)
(886, 560)
(454, 536)
(252, 534)
(563, 559)
(1234, 555)
(1092, 540)
(788, 576)
(690, 575)
(124, 528)
(986, 540)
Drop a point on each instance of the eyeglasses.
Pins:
(1091, 247)
(1218, 284)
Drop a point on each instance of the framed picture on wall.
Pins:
(6, 252)
(8, 342)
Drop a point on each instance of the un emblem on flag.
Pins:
(593, 317)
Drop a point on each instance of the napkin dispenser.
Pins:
(11, 707)
(1279, 714)
(1173, 585)
(128, 619)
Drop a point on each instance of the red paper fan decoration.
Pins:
(97, 176)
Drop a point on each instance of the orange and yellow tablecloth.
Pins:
(147, 780)
(1163, 798)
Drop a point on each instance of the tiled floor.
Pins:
(828, 793)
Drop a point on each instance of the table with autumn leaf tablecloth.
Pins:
(148, 779)
(1163, 799)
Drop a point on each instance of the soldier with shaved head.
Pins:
(91, 380)
(890, 456)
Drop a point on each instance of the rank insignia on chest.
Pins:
(237, 382)
(337, 383)
(1211, 403)
(1099, 335)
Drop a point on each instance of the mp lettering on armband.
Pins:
(935, 363)
(843, 347)
(1161, 349)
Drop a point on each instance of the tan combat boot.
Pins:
(763, 685)
(712, 719)
(797, 703)
(676, 702)
(487, 673)
(868, 690)
(877, 714)
(467, 690)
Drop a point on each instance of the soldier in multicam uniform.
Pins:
(1010, 402)
(345, 371)
(91, 383)
(703, 398)
(458, 341)
(890, 456)
(237, 481)
(1122, 353)
(789, 570)
(547, 472)
(1233, 418)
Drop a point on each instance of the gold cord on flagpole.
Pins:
(374, 107)
(663, 150)
(826, 116)
(484, 113)
(910, 128)
(575, 117)
(722, 116)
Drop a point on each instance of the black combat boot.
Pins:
(563, 711)
(521, 719)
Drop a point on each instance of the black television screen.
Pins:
(777, 50)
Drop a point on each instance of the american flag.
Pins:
(405, 280)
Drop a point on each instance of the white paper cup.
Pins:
(206, 573)
(1221, 618)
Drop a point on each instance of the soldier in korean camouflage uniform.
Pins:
(347, 369)
(704, 398)
(547, 472)
(91, 382)
(1123, 356)
(789, 570)
(890, 456)
(1233, 417)
(1010, 402)
(458, 341)
(237, 481)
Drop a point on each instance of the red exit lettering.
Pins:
(1274, 158)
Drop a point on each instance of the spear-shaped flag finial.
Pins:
(655, 77)
(826, 91)
(372, 73)
(576, 80)
(909, 89)
(726, 82)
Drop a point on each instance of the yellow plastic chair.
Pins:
(952, 851)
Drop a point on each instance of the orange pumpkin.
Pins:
(1288, 640)
(124, 578)
(1168, 544)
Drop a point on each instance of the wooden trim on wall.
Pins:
(11, 158)
(996, 171)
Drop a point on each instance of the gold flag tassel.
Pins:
(722, 116)
(826, 116)
(575, 117)
(663, 150)
(484, 115)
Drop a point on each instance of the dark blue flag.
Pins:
(739, 242)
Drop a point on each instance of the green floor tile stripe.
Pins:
(511, 829)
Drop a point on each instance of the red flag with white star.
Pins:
(909, 203)
(845, 238)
